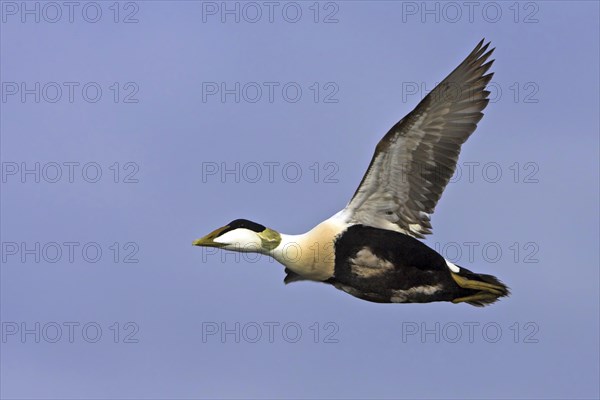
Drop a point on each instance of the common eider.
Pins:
(370, 249)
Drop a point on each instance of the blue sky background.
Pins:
(540, 132)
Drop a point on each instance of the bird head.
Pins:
(242, 235)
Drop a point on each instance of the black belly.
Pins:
(386, 266)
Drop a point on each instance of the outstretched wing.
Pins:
(415, 160)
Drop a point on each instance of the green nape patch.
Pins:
(270, 239)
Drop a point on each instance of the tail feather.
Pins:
(481, 289)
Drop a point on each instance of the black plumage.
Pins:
(385, 266)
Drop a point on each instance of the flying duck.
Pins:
(370, 249)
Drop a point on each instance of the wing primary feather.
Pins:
(415, 160)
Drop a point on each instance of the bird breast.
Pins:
(311, 255)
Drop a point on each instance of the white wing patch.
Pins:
(453, 267)
(402, 296)
(367, 265)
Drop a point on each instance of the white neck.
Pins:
(311, 254)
